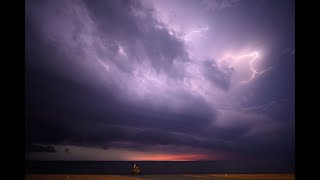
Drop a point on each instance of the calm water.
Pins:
(157, 167)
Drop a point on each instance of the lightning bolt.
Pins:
(255, 55)
(196, 31)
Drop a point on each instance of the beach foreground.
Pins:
(160, 177)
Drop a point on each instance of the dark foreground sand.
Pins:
(161, 177)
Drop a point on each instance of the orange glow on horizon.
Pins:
(171, 157)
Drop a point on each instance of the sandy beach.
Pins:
(160, 177)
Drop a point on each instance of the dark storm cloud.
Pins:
(120, 35)
(64, 102)
(112, 74)
(279, 145)
(218, 5)
(63, 111)
(221, 77)
(135, 25)
(40, 148)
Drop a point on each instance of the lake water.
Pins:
(157, 167)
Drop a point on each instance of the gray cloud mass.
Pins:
(115, 74)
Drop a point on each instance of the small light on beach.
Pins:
(67, 177)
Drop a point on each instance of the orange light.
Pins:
(172, 157)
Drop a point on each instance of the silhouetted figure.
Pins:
(135, 170)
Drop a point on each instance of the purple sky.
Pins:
(160, 79)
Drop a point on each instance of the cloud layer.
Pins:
(117, 74)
